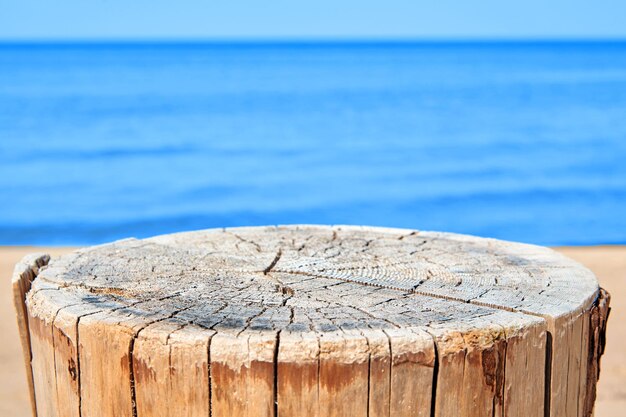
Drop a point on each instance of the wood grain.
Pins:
(311, 321)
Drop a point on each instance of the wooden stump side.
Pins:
(310, 321)
(23, 276)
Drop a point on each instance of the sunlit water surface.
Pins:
(521, 141)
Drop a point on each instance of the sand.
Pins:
(607, 262)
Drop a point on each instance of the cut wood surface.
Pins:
(311, 321)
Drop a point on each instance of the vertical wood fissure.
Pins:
(580, 376)
(369, 382)
(133, 394)
(275, 393)
(369, 373)
(390, 370)
(319, 365)
(569, 357)
(54, 359)
(209, 375)
(502, 386)
(78, 376)
(548, 376)
(598, 318)
(435, 376)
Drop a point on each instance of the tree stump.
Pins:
(310, 321)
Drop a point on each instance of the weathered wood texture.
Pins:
(23, 275)
(311, 321)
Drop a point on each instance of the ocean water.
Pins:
(520, 141)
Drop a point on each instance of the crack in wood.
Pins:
(364, 292)
(274, 262)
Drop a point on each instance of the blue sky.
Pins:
(289, 19)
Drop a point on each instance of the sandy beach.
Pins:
(607, 262)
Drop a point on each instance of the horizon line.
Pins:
(308, 40)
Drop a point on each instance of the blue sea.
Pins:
(523, 141)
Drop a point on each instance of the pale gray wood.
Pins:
(313, 321)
